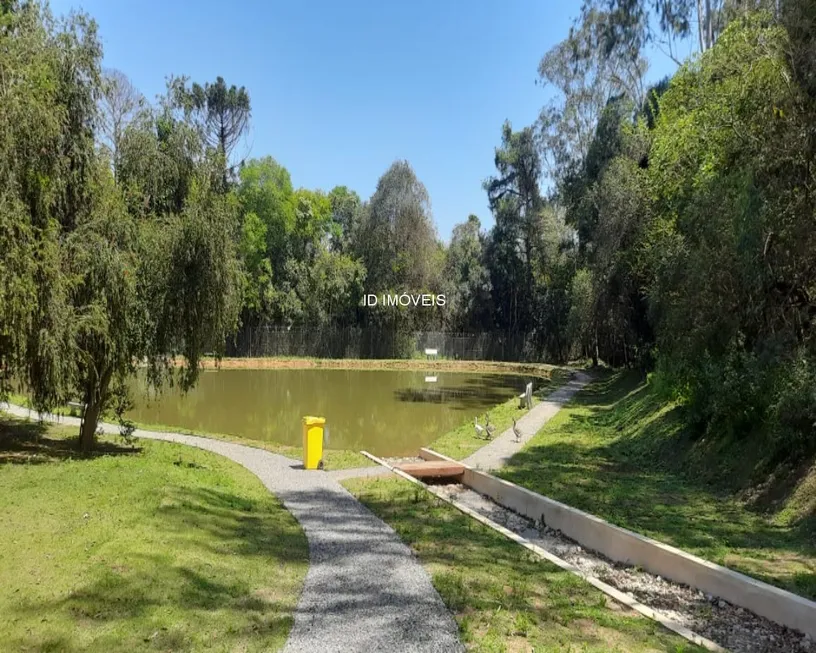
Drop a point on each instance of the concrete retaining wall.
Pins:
(630, 548)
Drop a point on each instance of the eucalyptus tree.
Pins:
(630, 25)
(585, 77)
(119, 104)
(467, 279)
(515, 199)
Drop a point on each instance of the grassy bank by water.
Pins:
(620, 452)
(502, 596)
(458, 443)
(157, 547)
(332, 458)
(463, 441)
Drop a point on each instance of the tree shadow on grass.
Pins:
(31, 443)
(246, 526)
(159, 607)
(229, 565)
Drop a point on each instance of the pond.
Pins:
(388, 413)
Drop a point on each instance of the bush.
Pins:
(793, 412)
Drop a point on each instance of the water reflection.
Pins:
(385, 412)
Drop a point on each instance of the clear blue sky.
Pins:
(340, 90)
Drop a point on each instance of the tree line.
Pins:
(668, 227)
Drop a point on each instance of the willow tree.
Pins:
(89, 291)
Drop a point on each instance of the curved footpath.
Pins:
(499, 450)
(365, 590)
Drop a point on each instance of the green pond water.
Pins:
(386, 412)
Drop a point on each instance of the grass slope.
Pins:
(619, 452)
(502, 596)
(161, 547)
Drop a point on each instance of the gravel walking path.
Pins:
(365, 590)
(501, 449)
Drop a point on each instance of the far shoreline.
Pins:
(541, 370)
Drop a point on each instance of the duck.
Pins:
(479, 428)
(516, 430)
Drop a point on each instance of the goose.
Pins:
(516, 430)
(489, 428)
(479, 428)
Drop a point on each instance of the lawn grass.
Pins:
(155, 547)
(463, 441)
(620, 452)
(332, 458)
(503, 597)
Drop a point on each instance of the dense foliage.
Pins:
(694, 213)
(117, 251)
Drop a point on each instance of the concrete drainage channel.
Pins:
(702, 618)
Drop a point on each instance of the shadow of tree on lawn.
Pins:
(138, 598)
(26, 442)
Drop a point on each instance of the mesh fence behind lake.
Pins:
(373, 342)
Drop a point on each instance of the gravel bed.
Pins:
(730, 626)
(402, 460)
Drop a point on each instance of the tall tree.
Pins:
(585, 77)
(468, 298)
(119, 103)
(732, 281)
(346, 210)
(515, 200)
(631, 24)
(397, 239)
(222, 112)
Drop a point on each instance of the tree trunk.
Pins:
(87, 432)
(709, 23)
(96, 393)
(595, 351)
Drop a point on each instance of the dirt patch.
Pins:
(540, 370)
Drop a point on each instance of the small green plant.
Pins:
(522, 624)
(451, 587)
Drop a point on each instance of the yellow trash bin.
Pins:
(313, 442)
